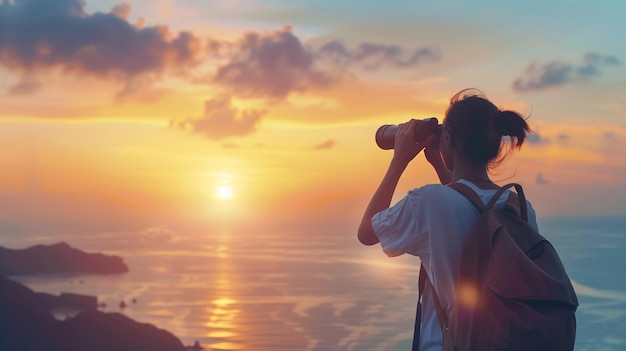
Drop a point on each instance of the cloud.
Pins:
(592, 61)
(372, 56)
(539, 77)
(328, 144)
(271, 65)
(536, 139)
(558, 73)
(221, 120)
(541, 180)
(39, 35)
(563, 137)
(26, 86)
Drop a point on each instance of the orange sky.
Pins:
(98, 145)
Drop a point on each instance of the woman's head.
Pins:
(476, 127)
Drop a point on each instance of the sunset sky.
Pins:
(123, 116)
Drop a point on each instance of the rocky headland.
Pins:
(27, 322)
(57, 258)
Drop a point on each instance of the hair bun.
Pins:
(511, 124)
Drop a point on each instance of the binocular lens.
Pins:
(386, 134)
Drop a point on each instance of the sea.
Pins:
(313, 288)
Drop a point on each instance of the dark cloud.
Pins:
(373, 56)
(592, 62)
(221, 120)
(38, 35)
(536, 139)
(43, 36)
(539, 77)
(541, 180)
(271, 65)
(557, 73)
(328, 144)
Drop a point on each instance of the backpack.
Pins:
(512, 291)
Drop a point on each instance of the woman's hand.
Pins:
(405, 147)
(433, 155)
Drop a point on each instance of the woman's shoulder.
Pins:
(433, 192)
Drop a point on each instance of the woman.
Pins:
(432, 221)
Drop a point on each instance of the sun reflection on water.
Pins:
(222, 314)
(221, 334)
(225, 346)
(223, 310)
(222, 251)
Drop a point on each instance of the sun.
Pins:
(224, 192)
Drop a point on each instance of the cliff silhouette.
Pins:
(27, 325)
(57, 258)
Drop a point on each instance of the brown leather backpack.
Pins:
(512, 291)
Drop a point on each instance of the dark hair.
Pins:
(477, 127)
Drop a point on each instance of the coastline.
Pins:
(68, 321)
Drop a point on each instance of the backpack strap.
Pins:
(421, 284)
(441, 313)
(478, 203)
(469, 194)
(523, 208)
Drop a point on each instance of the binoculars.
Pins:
(386, 134)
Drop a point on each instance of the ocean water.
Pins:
(313, 288)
